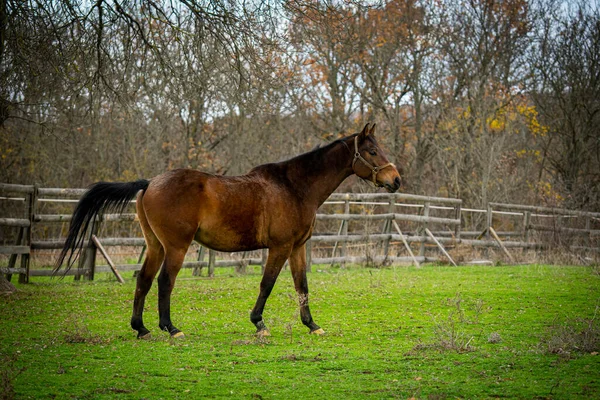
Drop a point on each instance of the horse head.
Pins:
(371, 163)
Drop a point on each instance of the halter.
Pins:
(374, 169)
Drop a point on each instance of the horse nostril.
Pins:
(397, 182)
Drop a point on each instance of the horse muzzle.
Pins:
(394, 186)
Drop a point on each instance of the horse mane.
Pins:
(319, 149)
(311, 158)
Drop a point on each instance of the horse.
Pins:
(274, 206)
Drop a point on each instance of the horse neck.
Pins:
(319, 173)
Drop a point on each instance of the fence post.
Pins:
(211, 263)
(557, 237)
(345, 232)
(335, 245)
(423, 232)
(388, 225)
(588, 227)
(488, 221)
(526, 223)
(488, 224)
(13, 257)
(26, 258)
(458, 216)
(309, 255)
(241, 267)
(197, 271)
(87, 259)
(263, 260)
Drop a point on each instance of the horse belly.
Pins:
(230, 229)
(225, 239)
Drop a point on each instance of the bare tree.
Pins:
(482, 49)
(395, 59)
(324, 37)
(567, 67)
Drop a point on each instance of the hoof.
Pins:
(318, 332)
(178, 335)
(263, 333)
(145, 336)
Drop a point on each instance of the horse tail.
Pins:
(101, 197)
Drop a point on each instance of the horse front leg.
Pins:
(275, 261)
(298, 268)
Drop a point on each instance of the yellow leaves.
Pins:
(533, 124)
(6, 152)
(466, 113)
(524, 153)
(513, 118)
(547, 191)
(496, 124)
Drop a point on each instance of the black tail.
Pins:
(101, 197)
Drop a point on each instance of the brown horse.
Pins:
(273, 206)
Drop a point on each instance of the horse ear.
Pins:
(372, 132)
(365, 132)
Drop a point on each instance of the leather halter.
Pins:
(374, 169)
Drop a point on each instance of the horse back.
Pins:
(223, 213)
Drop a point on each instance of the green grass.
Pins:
(430, 333)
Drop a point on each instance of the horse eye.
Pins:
(373, 152)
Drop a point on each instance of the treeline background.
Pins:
(485, 100)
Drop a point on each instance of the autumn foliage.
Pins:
(486, 100)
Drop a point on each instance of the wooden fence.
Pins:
(389, 228)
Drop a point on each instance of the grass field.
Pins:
(429, 333)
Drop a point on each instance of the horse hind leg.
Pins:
(154, 257)
(166, 281)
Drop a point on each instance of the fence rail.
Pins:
(422, 231)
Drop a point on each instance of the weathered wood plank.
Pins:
(15, 249)
(10, 271)
(416, 238)
(62, 192)
(406, 245)
(574, 231)
(497, 239)
(68, 217)
(389, 216)
(19, 222)
(13, 188)
(123, 242)
(439, 245)
(112, 266)
(377, 259)
(47, 244)
(187, 264)
(397, 197)
(545, 210)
